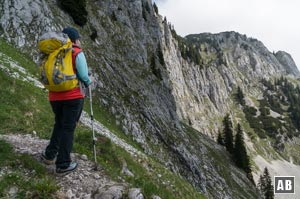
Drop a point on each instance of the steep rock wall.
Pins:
(204, 93)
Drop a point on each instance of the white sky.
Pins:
(274, 22)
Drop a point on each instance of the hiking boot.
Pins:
(47, 160)
(67, 170)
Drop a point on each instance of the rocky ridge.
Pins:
(203, 92)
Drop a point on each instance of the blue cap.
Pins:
(72, 33)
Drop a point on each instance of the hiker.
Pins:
(67, 107)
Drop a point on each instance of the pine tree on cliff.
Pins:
(240, 96)
(265, 185)
(155, 8)
(240, 153)
(160, 55)
(220, 139)
(228, 133)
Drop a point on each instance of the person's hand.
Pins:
(92, 79)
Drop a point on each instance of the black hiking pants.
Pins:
(67, 114)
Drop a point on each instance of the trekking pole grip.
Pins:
(91, 101)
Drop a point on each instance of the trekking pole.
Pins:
(92, 123)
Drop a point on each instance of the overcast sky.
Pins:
(274, 22)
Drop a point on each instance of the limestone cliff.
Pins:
(203, 91)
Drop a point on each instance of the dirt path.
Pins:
(85, 182)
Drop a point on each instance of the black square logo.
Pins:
(284, 184)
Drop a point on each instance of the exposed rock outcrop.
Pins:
(287, 61)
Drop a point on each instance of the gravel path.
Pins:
(84, 182)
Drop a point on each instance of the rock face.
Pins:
(286, 60)
(152, 91)
(203, 91)
(17, 16)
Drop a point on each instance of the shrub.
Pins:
(155, 8)
(94, 34)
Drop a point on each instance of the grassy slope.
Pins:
(29, 177)
(225, 166)
(24, 108)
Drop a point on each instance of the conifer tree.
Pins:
(160, 55)
(240, 96)
(220, 138)
(240, 153)
(265, 185)
(228, 133)
(155, 8)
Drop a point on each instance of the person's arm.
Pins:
(82, 69)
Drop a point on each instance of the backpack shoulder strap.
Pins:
(75, 51)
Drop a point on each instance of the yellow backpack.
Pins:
(56, 69)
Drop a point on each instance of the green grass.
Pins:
(19, 57)
(23, 108)
(5, 150)
(225, 170)
(226, 166)
(103, 115)
(291, 150)
(28, 176)
(111, 158)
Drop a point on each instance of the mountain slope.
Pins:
(205, 75)
(25, 110)
(156, 85)
(227, 60)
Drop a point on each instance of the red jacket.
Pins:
(71, 94)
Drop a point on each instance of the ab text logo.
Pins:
(284, 184)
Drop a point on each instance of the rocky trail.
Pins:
(85, 182)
